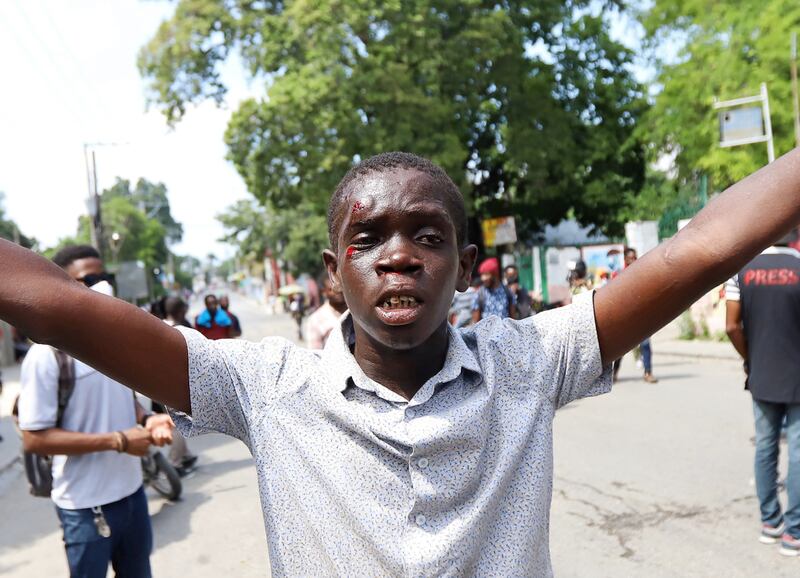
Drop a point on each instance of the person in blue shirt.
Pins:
(493, 298)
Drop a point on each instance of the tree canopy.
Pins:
(530, 107)
(295, 235)
(9, 229)
(725, 50)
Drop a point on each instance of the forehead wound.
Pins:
(357, 203)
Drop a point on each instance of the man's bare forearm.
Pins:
(108, 334)
(719, 241)
(61, 442)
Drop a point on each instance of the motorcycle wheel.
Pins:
(165, 480)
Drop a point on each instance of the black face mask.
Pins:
(95, 278)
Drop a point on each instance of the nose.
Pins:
(399, 257)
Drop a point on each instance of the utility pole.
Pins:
(767, 122)
(794, 90)
(93, 202)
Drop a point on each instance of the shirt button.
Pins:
(420, 519)
(423, 463)
(410, 412)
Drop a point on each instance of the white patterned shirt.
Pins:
(357, 481)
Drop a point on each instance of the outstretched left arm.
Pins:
(720, 240)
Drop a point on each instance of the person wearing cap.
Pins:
(494, 297)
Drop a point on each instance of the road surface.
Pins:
(651, 480)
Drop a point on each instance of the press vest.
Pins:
(770, 296)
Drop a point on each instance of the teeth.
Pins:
(400, 302)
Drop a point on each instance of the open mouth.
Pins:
(399, 309)
(400, 302)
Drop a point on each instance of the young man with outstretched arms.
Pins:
(407, 447)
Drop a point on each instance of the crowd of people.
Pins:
(437, 456)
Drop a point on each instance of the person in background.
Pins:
(763, 323)
(461, 308)
(297, 308)
(96, 444)
(236, 327)
(579, 281)
(645, 347)
(523, 298)
(326, 317)
(493, 298)
(213, 322)
(175, 310)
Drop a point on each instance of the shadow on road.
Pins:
(172, 520)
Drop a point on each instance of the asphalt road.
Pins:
(651, 480)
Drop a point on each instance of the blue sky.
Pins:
(69, 77)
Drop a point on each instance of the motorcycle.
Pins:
(161, 475)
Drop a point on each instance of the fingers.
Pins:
(161, 435)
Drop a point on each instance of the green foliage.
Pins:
(10, 231)
(151, 199)
(664, 200)
(727, 49)
(686, 326)
(138, 238)
(530, 107)
(297, 235)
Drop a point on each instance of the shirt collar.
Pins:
(339, 360)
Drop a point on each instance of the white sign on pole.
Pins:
(741, 124)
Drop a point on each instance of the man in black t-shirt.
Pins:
(763, 323)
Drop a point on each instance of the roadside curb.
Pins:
(695, 349)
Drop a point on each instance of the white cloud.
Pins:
(70, 77)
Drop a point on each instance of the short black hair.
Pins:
(399, 160)
(173, 306)
(71, 253)
(629, 250)
(210, 296)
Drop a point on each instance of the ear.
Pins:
(332, 267)
(466, 262)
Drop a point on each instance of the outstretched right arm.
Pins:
(112, 336)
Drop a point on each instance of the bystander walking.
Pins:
(521, 295)
(88, 422)
(493, 298)
(645, 347)
(320, 323)
(213, 322)
(763, 323)
(236, 326)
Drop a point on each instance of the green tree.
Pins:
(530, 107)
(726, 50)
(9, 229)
(297, 235)
(152, 200)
